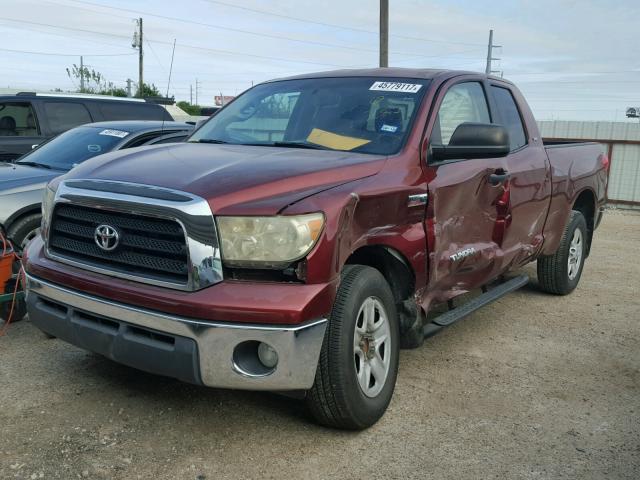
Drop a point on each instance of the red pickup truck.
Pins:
(310, 229)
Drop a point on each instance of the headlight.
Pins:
(48, 200)
(268, 242)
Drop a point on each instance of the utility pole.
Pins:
(137, 43)
(197, 88)
(128, 87)
(384, 33)
(490, 57)
(81, 75)
(191, 94)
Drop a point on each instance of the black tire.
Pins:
(24, 229)
(336, 398)
(553, 270)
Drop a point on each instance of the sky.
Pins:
(573, 60)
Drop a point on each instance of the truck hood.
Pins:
(16, 178)
(235, 179)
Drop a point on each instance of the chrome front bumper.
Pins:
(218, 362)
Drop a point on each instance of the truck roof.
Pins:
(421, 73)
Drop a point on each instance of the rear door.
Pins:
(529, 185)
(463, 208)
(62, 115)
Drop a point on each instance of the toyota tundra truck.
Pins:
(312, 228)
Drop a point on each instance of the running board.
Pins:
(476, 303)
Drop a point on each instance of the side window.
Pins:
(463, 102)
(267, 121)
(115, 110)
(65, 115)
(510, 116)
(168, 139)
(17, 120)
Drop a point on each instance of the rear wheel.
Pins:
(560, 273)
(358, 363)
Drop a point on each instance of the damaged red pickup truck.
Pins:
(303, 234)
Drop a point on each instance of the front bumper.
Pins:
(215, 354)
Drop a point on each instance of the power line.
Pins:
(194, 47)
(333, 25)
(246, 32)
(44, 32)
(67, 54)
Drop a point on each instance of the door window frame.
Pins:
(507, 87)
(441, 92)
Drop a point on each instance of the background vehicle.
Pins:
(22, 183)
(27, 118)
(314, 224)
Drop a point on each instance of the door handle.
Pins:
(498, 177)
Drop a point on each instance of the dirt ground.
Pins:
(534, 387)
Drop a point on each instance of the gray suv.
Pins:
(28, 119)
(22, 183)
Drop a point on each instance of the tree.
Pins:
(150, 90)
(190, 109)
(89, 80)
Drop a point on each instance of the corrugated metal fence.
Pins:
(621, 141)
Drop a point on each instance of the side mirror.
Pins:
(474, 140)
(199, 123)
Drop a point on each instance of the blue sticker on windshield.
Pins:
(94, 148)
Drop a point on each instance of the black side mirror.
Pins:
(474, 140)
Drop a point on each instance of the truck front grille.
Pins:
(147, 247)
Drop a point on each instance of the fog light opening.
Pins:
(267, 355)
(254, 359)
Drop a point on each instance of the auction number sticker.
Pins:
(395, 87)
(114, 133)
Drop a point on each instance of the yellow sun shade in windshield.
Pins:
(335, 141)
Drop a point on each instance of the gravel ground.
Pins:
(533, 386)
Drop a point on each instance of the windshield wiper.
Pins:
(298, 145)
(35, 164)
(208, 140)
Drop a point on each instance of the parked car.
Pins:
(22, 183)
(28, 118)
(303, 234)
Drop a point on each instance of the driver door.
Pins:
(464, 203)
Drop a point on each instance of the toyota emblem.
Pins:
(106, 237)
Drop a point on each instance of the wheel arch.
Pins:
(585, 203)
(400, 276)
(22, 212)
(391, 264)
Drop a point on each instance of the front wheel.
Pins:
(24, 230)
(358, 364)
(560, 273)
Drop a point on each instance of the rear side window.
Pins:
(114, 110)
(65, 115)
(18, 120)
(463, 102)
(510, 116)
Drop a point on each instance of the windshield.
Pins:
(73, 147)
(360, 114)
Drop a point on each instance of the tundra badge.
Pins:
(467, 252)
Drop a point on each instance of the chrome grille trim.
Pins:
(194, 216)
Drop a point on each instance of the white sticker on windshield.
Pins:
(395, 87)
(389, 128)
(114, 133)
